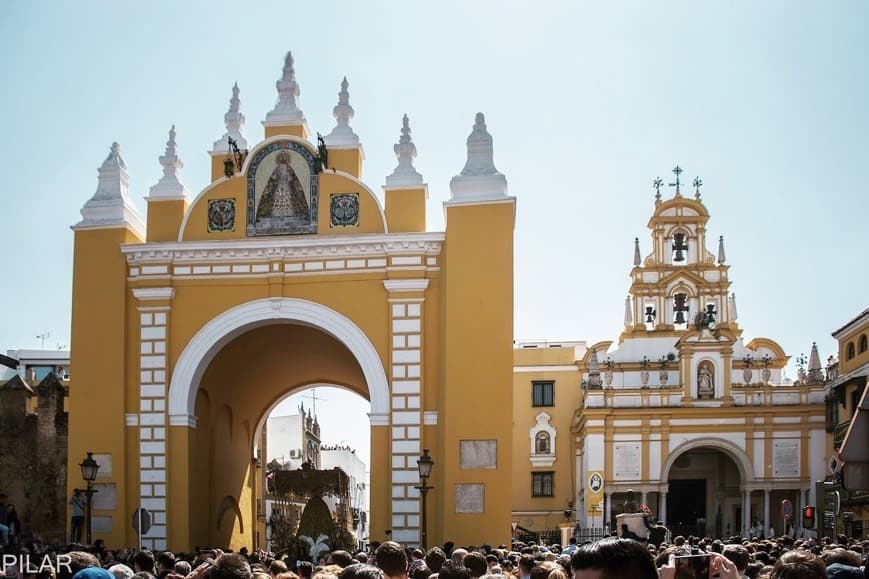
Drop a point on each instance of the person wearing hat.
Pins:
(93, 573)
(76, 511)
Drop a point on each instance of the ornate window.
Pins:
(864, 343)
(542, 484)
(542, 438)
(542, 443)
(851, 353)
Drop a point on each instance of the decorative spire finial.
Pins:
(657, 185)
(677, 170)
(720, 249)
(698, 182)
(479, 178)
(404, 174)
(814, 374)
(169, 186)
(733, 307)
(234, 124)
(629, 312)
(594, 380)
(110, 204)
(342, 134)
(286, 109)
(637, 259)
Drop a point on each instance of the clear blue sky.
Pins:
(587, 102)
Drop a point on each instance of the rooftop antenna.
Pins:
(42, 337)
(313, 396)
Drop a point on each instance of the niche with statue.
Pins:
(705, 381)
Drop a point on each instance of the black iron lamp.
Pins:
(424, 464)
(89, 469)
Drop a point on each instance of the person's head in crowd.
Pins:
(143, 575)
(287, 575)
(799, 565)
(417, 555)
(841, 555)
(542, 569)
(144, 561)
(738, 555)
(526, 563)
(392, 559)
(361, 571)
(121, 571)
(183, 568)
(452, 570)
(448, 548)
(230, 566)
(165, 563)
(78, 560)
(559, 572)
(842, 571)
(476, 564)
(305, 570)
(340, 558)
(435, 558)
(277, 567)
(613, 557)
(458, 556)
(96, 572)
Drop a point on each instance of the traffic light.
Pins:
(808, 517)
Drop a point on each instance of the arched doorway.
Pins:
(705, 479)
(248, 361)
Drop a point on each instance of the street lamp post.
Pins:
(89, 468)
(424, 464)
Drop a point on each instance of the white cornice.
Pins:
(405, 285)
(154, 293)
(378, 419)
(302, 247)
(187, 420)
(408, 187)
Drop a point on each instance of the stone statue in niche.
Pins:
(705, 382)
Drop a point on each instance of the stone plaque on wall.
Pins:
(470, 498)
(105, 462)
(626, 460)
(786, 458)
(104, 496)
(478, 454)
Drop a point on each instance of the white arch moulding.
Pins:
(223, 328)
(743, 463)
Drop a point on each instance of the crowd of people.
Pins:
(612, 557)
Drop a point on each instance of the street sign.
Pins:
(144, 524)
(787, 510)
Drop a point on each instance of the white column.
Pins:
(662, 508)
(607, 512)
(765, 511)
(746, 511)
(644, 498)
(406, 353)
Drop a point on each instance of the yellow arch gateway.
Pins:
(189, 324)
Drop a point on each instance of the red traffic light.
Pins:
(808, 517)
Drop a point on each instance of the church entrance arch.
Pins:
(229, 375)
(708, 476)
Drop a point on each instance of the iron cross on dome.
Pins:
(677, 171)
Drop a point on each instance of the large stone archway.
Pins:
(222, 329)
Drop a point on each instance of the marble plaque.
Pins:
(104, 497)
(786, 458)
(101, 524)
(626, 460)
(470, 498)
(105, 462)
(478, 454)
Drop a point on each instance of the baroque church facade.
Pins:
(288, 260)
(700, 425)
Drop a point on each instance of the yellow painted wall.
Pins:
(853, 337)
(98, 361)
(405, 209)
(164, 219)
(476, 391)
(346, 160)
(294, 130)
(566, 398)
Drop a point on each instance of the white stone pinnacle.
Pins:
(404, 174)
(733, 307)
(629, 312)
(234, 124)
(286, 109)
(637, 259)
(342, 135)
(479, 179)
(110, 204)
(169, 186)
(721, 256)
